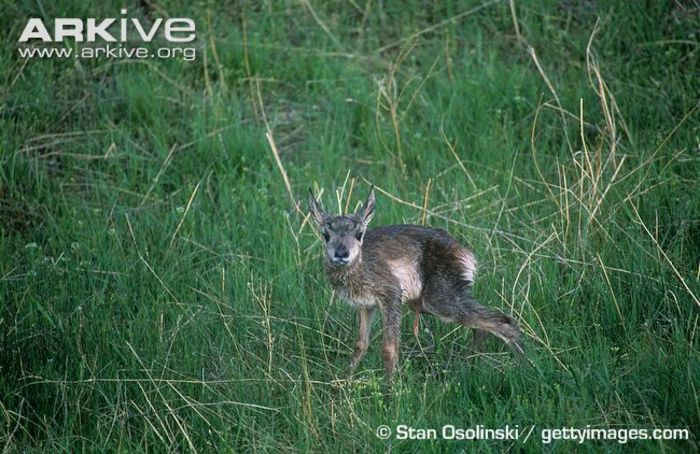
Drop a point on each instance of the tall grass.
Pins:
(162, 290)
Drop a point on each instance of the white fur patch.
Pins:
(408, 278)
(468, 262)
(353, 300)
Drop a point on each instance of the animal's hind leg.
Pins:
(465, 310)
(503, 326)
(415, 305)
(478, 339)
(418, 308)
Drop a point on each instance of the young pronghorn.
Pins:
(384, 267)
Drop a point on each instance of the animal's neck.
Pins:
(345, 276)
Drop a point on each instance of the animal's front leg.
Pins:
(366, 316)
(391, 318)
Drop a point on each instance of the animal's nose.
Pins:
(342, 253)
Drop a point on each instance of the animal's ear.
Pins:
(315, 209)
(368, 208)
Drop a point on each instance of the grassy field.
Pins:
(160, 292)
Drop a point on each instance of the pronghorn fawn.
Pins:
(385, 267)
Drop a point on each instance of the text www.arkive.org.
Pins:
(113, 52)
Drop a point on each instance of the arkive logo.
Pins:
(99, 34)
(176, 30)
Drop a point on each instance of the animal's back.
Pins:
(417, 256)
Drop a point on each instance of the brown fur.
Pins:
(420, 266)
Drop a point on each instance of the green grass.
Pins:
(159, 292)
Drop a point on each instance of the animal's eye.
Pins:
(359, 235)
(326, 236)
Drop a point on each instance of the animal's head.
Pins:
(342, 235)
